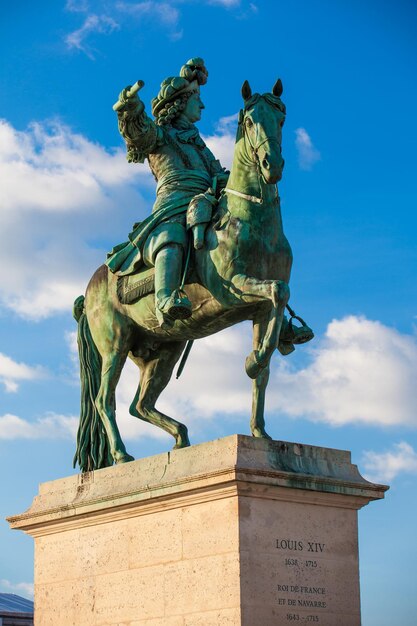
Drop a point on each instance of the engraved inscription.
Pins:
(309, 592)
(296, 544)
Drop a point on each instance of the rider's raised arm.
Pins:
(141, 134)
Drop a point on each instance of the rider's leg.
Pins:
(165, 249)
(168, 273)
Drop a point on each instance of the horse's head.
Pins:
(261, 121)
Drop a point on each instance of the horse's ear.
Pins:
(277, 89)
(246, 90)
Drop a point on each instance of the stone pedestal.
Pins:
(237, 531)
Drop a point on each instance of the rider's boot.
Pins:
(171, 302)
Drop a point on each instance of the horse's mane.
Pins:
(274, 101)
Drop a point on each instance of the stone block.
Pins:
(233, 532)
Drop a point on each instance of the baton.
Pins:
(134, 89)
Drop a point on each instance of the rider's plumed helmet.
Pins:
(175, 90)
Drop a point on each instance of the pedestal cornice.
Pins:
(235, 465)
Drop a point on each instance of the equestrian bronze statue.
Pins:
(212, 254)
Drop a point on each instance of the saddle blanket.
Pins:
(135, 286)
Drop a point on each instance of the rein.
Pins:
(245, 196)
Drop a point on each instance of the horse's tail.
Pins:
(93, 451)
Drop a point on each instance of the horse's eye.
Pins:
(249, 122)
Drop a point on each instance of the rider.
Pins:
(189, 179)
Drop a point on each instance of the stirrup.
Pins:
(294, 335)
(176, 306)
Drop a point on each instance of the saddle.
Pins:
(135, 286)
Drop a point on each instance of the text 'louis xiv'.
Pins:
(298, 545)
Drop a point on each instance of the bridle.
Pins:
(261, 143)
(254, 150)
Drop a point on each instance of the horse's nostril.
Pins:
(265, 163)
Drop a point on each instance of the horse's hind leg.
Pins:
(105, 402)
(259, 384)
(155, 375)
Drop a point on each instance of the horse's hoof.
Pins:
(252, 366)
(260, 433)
(285, 348)
(124, 458)
(182, 440)
(178, 446)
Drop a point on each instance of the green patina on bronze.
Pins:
(237, 264)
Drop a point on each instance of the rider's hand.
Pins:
(132, 103)
(222, 179)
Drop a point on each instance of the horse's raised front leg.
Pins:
(105, 402)
(278, 293)
(259, 384)
(155, 375)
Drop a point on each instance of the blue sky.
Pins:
(349, 206)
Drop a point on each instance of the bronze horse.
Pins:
(241, 273)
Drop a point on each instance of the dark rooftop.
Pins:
(11, 603)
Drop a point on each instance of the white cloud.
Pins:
(361, 372)
(228, 4)
(66, 171)
(227, 124)
(12, 373)
(77, 6)
(222, 142)
(308, 155)
(215, 363)
(213, 381)
(24, 589)
(385, 466)
(131, 427)
(51, 426)
(78, 192)
(71, 341)
(164, 12)
(176, 35)
(93, 24)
